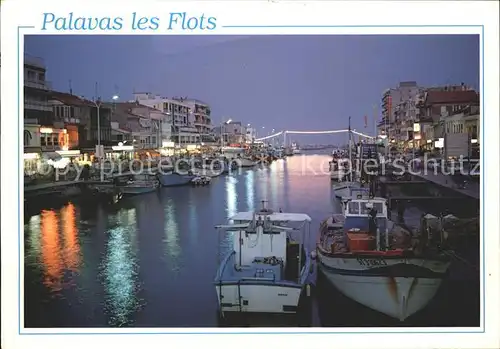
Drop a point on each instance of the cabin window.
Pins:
(353, 208)
(376, 205)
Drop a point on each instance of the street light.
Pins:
(98, 104)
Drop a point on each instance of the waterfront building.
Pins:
(201, 118)
(232, 132)
(32, 146)
(77, 117)
(36, 91)
(399, 112)
(143, 126)
(183, 118)
(250, 134)
(452, 109)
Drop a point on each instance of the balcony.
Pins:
(34, 61)
(75, 121)
(40, 85)
(37, 105)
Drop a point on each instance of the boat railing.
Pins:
(247, 278)
(223, 264)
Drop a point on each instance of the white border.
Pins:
(15, 13)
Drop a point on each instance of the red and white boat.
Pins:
(377, 263)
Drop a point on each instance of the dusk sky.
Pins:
(281, 82)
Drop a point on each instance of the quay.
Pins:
(471, 189)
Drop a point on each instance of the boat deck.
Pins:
(263, 269)
(258, 270)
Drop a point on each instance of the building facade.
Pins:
(399, 112)
(250, 134)
(201, 118)
(143, 126)
(184, 118)
(79, 117)
(36, 91)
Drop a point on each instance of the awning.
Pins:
(51, 156)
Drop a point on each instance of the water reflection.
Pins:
(53, 245)
(171, 240)
(193, 218)
(120, 275)
(249, 185)
(51, 251)
(274, 186)
(71, 253)
(231, 196)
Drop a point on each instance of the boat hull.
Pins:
(243, 162)
(137, 190)
(198, 172)
(174, 179)
(399, 288)
(273, 298)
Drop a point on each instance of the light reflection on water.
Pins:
(171, 240)
(249, 186)
(54, 248)
(138, 252)
(193, 219)
(231, 210)
(51, 251)
(119, 269)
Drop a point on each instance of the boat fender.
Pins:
(313, 255)
(308, 290)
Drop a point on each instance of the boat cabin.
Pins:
(265, 249)
(365, 222)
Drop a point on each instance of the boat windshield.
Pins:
(362, 223)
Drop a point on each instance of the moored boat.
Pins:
(172, 178)
(377, 263)
(208, 167)
(139, 184)
(266, 271)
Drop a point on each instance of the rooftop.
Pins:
(70, 99)
(457, 96)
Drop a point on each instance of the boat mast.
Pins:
(350, 151)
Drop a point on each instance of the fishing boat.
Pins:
(172, 178)
(377, 263)
(266, 270)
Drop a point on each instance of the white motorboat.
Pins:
(266, 271)
(372, 261)
(140, 184)
(242, 162)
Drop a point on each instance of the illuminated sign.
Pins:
(45, 130)
(68, 152)
(123, 148)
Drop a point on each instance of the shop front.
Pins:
(167, 149)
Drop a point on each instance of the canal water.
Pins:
(150, 260)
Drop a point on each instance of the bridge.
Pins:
(285, 133)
